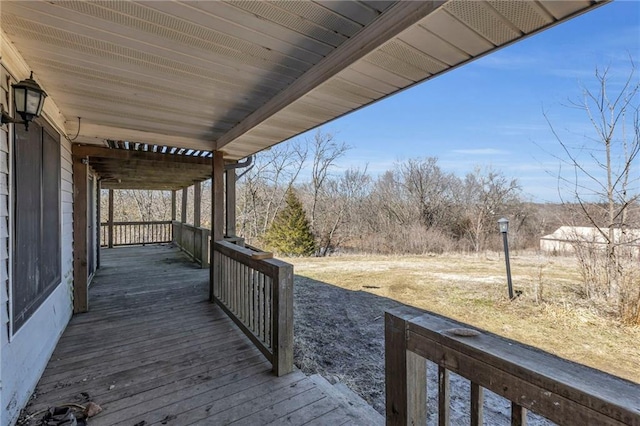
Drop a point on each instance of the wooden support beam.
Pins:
(518, 415)
(217, 199)
(477, 401)
(80, 264)
(93, 151)
(217, 213)
(230, 222)
(282, 327)
(152, 186)
(444, 396)
(110, 219)
(98, 221)
(389, 24)
(159, 166)
(197, 204)
(183, 212)
(405, 373)
(173, 205)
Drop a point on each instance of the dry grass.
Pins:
(473, 289)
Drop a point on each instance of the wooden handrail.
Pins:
(193, 240)
(135, 233)
(148, 222)
(557, 389)
(258, 295)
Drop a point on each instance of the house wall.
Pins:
(24, 355)
(550, 245)
(565, 239)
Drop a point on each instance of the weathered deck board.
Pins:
(153, 349)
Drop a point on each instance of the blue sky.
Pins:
(490, 112)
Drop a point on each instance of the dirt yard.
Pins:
(340, 304)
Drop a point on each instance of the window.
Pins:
(36, 244)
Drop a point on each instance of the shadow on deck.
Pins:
(153, 350)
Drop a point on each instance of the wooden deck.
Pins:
(153, 350)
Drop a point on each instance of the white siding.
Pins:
(24, 355)
(4, 247)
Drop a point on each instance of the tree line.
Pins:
(415, 207)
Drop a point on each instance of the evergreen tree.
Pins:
(290, 233)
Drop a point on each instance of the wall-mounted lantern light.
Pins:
(28, 98)
(503, 225)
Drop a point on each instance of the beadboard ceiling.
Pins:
(241, 76)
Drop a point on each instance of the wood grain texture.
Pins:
(110, 220)
(444, 397)
(560, 390)
(230, 205)
(80, 264)
(405, 376)
(217, 213)
(153, 349)
(258, 295)
(183, 210)
(197, 204)
(477, 401)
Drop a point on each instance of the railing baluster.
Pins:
(236, 293)
(221, 280)
(243, 290)
(225, 283)
(477, 400)
(216, 277)
(245, 279)
(257, 295)
(226, 280)
(443, 396)
(269, 304)
(256, 302)
(227, 293)
(240, 290)
(229, 289)
(238, 285)
(518, 415)
(263, 305)
(267, 309)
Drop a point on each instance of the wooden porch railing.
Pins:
(258, 295)
(135, 233)
(559, 390)
(193, 240)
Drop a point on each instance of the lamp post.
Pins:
(503, 224)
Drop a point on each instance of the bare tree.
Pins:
(326, 150)
(341, 198)
(429, 189)
(601, 179)
(261, 192)
(488, 194)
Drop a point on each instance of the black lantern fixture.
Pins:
(28, 98)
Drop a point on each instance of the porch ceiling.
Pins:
(241, 76)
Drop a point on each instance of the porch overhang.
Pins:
(243, 76)
(125, 165)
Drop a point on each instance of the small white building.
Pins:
(564, 239)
